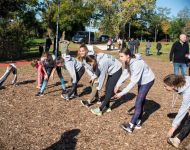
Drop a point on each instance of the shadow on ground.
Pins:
(67, 141)
(124, 99)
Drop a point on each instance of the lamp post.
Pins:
(89, 32)
(129, 30)
(57, 30)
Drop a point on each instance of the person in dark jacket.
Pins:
(158, 47)
(48, 43)
(178, 54)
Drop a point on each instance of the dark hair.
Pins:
(83, 46)
(34, 62)
(45, 54)
(174, 80)
(90, 59)
(126, 51)
(59, 60)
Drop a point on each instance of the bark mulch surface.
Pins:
(28, 122)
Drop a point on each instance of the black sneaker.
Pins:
(65, 97)
(73, 96)
(85, 103)
(64, 92)
(129, 127)
(39, 94)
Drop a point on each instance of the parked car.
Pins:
(83, 37)
(103, 38)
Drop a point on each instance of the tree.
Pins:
(165, 25)
(176, 26)
(117, 13)
(186, 29)
(15, 26)
(74, 15)
(157, 18)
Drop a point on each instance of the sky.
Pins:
(174, 5)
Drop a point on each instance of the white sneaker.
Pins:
(138, 124)
(174, 142)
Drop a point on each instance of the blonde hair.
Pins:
(78, 56)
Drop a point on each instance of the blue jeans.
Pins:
(182, 67)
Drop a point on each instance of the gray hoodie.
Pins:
(107, 64)
(140, 74)
(72, 66)
(185, 92)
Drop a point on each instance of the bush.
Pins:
(13, 37)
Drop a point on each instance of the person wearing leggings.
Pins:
(10, 69)
(107, 65)
(76, 71)
(48, 63)
(141, 74)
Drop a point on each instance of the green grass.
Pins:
(34, 46)
(37, 41)
(166, 47)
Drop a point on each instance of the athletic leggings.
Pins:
(7, 73)
(185, 129)
(140, 101)
(49, 70)
(110, 85)
(79, 75)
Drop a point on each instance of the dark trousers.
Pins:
(185, 129)
(110, 85)
(140, 101)
(79, 75)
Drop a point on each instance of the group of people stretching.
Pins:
(101, 67)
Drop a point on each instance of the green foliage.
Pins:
(13, 40)
(116, 14)
(72, 14)
(17, 23)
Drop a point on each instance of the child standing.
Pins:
(48, 64)
(107, 65)
(10, 68)
(37, 64)
(75, 69)
(181, 85)
(141, 74)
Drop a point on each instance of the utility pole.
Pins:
(89, 32)
(129, 30)
(57, 30)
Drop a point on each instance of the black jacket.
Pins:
(178, 52)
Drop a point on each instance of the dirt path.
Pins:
(34, 123)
